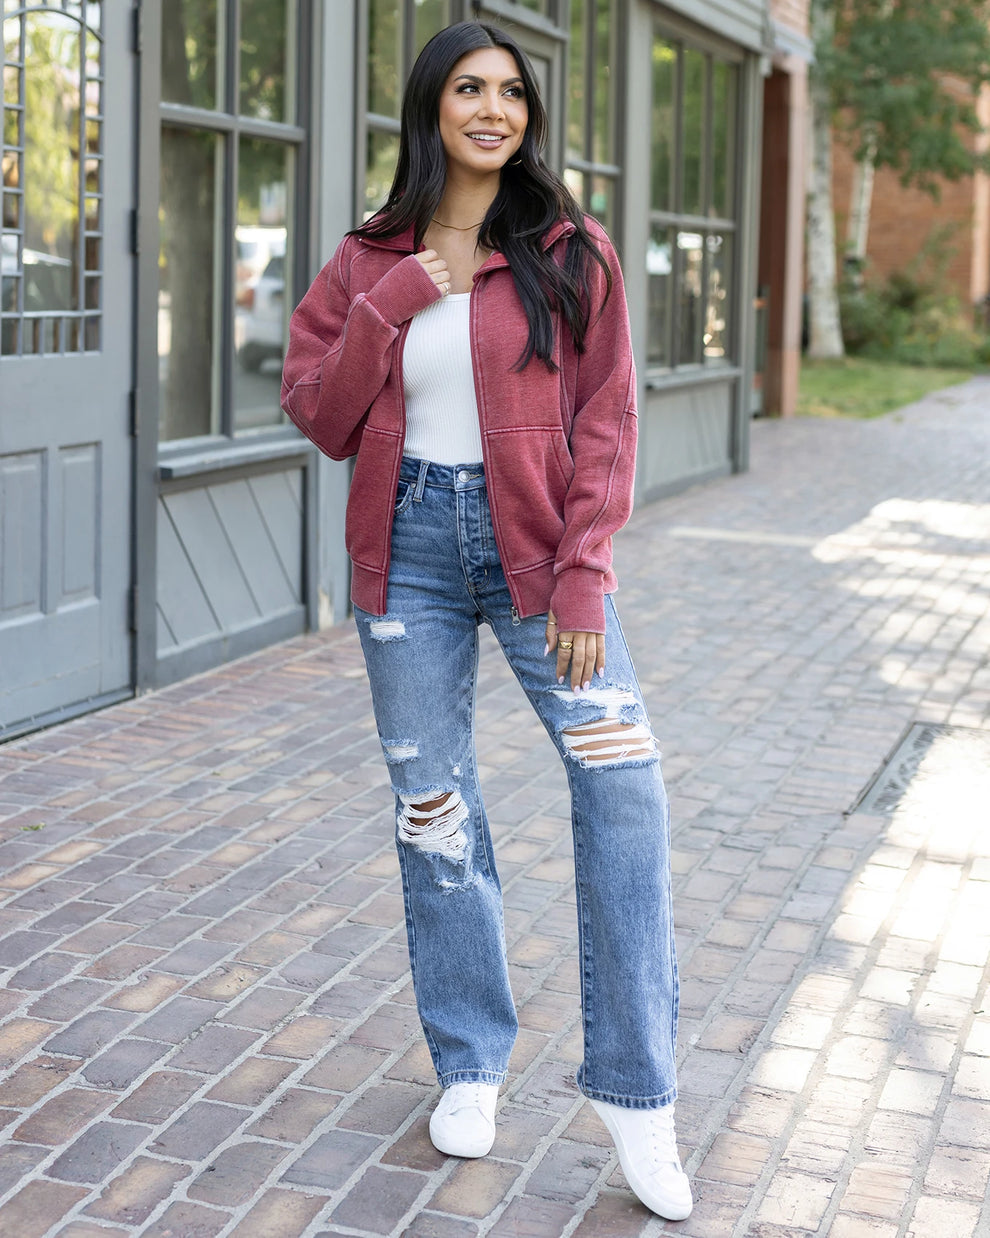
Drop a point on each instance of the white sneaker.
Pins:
(647, 1150)
(463, 1123)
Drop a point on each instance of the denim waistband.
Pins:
(447, 476)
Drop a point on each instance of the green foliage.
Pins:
(907, 321)
(911, 318)
(189, 53)
(905, 75)
(51, 122)
(860, 387)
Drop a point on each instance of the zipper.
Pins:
(400, 345)
(475, 293)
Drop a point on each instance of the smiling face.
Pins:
(483, 112)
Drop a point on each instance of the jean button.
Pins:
(463, 475)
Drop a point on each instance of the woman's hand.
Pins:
(436, 268)
(584, 652)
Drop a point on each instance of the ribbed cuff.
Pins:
(403, 291)
(578, 600)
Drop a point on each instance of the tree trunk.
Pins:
(861, 199)
(860, 202)
(823, 295)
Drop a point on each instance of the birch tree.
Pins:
(900, 79)
(825, 333)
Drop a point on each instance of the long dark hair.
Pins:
(530, 200)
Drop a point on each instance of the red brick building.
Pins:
(903, 220)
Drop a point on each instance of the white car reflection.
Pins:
(260, 317)
(47, 280)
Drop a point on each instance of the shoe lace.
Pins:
(469, 1095)
(661, 1138)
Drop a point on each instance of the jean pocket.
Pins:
(403, 496)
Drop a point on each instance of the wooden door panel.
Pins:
(66, 362)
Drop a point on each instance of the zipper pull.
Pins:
(515, 618)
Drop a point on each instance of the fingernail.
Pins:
(601, 672)
(546, 650)
(577, 689)
(586, 685)
(560, 678)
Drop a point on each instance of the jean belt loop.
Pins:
(424, 468)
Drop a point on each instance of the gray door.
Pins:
(65, 359)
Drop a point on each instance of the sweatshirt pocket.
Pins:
(527, 485)
(370, 502)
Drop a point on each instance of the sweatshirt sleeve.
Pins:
(340, 346)
(603, 448)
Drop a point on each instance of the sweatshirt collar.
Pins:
(403, 243)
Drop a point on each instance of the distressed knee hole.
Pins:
(398, 751)
(612, 698)
(387, 628)
(435, 825)
(609, 741)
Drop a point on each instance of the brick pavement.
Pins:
(206, 1025)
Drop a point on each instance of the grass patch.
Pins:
(857, 387)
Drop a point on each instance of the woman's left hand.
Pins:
(583, 652)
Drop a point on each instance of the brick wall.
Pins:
(902, 220)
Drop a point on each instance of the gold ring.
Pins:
(551, 621)
(565, 644)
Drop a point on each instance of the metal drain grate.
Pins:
(928, 750)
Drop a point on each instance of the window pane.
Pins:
(260, 297)
(263, 59)
(577, 69)
(575, 181)
(383, 152)
(724, 95)
(602, 204)
(659, 268)
(187, 280)
(191, 52)
(663, 122)
(690, 253)
(605, 24)
(385, 57)
(694, 132)
(719, 301)
(431, 17)
(538, 6)
(48, 168)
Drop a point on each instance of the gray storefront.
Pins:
(157, 513)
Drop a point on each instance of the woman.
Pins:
(470, 345)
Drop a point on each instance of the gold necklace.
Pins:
(454, 228)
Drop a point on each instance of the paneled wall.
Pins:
(685, 436)
(230, 563)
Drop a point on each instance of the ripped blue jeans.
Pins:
(422, 658)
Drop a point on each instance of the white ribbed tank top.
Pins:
(438, 383)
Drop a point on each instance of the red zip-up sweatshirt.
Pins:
(559, 449)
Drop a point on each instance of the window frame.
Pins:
(680, 221)
(549, 26)
(228, 444)
(586, 165)
(367, 121)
